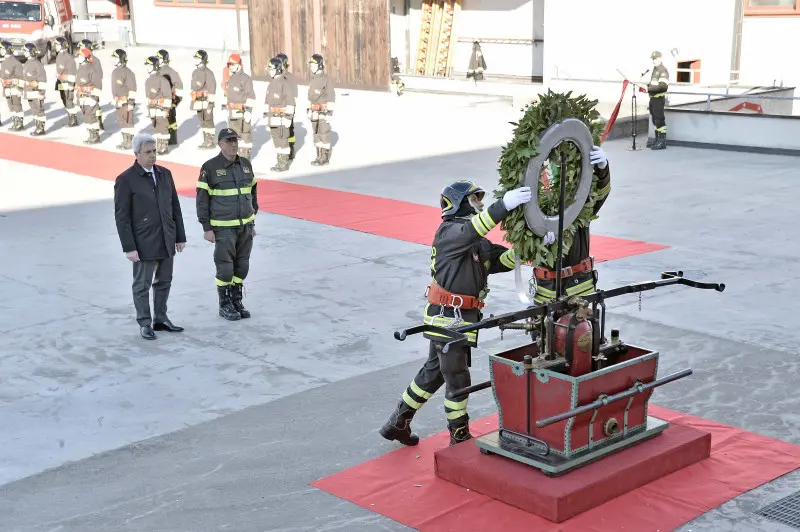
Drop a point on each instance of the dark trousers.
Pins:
(232, 249)
(172, 127)
(450, 369)
(143, 273)
(657, 114)
(322, 133)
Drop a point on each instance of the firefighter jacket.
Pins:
(580, 243)
(226, 193)
(240, 93)
(11, 74)
(462, 258)
(292, 81)
(66, 71)
(175, 82)
(86, 87)
(123, 86)
(98, 72)
(659, 82)
(279, 103)
(204, 88)
(321, 96)
(35, 79)
(159, 95)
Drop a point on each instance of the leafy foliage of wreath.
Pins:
(551, 108)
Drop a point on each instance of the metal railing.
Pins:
(729, 96)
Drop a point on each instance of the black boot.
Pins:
(283, 163)
(325, 158)
(208, 141)
(39, 131)
(291, 151)
(173, 136)
(316, 161)
(161, 146)
(661, 141)
(126, 142)
(19, 124)
(650, 142)
(73, 120)
(237, 292)
(398, 426)
(226, 309)
(459, 432)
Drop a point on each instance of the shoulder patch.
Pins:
(222, 172)
(246, 169)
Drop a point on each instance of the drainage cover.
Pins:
(785, 511)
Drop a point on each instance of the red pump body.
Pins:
(581, 362)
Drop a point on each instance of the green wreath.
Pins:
(551, 108)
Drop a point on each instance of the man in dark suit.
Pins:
(150, 227)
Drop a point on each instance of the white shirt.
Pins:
(152, 173)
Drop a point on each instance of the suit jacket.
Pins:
(149, 218)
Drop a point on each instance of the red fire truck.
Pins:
(36, 21)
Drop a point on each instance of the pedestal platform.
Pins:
(560, 498)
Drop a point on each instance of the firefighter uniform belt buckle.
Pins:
(572, 130)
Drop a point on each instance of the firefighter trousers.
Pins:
(657, 114)
(450, 369)
(172, 125)
(578, 284)
(232, 249)
(322, 133)
(206, 117)
(245, 130)
(68, 97)
(37, 109)
(280, 138)
(125, 119)
(14, 105)
(161, 124)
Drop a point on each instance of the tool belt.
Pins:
(439, 296)
(586, 265)
(10, 83)
(319, 107)
(277, 110)
(199, 94)
(156, 102)
(236, 106)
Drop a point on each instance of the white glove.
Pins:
(598, 157)
(515, 198)
(549, 238)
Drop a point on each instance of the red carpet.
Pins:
(400, 220)
(402, 486)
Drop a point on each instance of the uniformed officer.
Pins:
(13, 84)
(35, 85)
(279, 112)
(159, 102)
(657, 88)
(86, 44)
(123, 89)
(292, 81)
(321, 99)
(88, 95)
(578, 274)
(204, 90)
(176, 84)
(66, 71)
(227, 203)
(240, 98)
(462, 258)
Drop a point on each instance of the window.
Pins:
(230, 4)
(772, 8)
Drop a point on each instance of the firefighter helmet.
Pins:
(86, 44)
(6, 48)
(31, 49)
(62, 44)
(234, 59)
(121, 55)
(284, 59)
(164, 56)
(276, 65)
(154, 62)
(455, 193)
(316, 59)
(202, 55)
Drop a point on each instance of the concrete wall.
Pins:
(748, 132)
(770, 107)
(770, 47)
(193, 27)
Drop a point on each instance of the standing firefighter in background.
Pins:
(176, 84)
(204, 89)
(88, 96)
(292, 81)
(241, 98)
(86, 44)
(13, 83)
(657, 88)
(321, 98)
(67, 72)
(280, 105)
(462, 258)
(123, 89)
(227, 203)
(35, 85)
(159, 102)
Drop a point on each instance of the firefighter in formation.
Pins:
(67, 75)
(203, 92)
(35, 84)
(176, 85)
(657, 89)
(292, 82)
(88, 86)
(159, 102)
(123, 90)
(240, 99)
(321, 100)
(86, 44)
(462, 258)
(279, 107)
(13, 84)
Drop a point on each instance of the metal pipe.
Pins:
(613, 398)
(562, 182)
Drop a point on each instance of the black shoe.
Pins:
(226, 309)
(166, 325)
(661, 142)
(459, 433)
(650, 142)
(316, 161)
(147, 332)
(73, 120)
(237, 292)
(398, 426)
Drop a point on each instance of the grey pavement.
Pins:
(224, 426)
